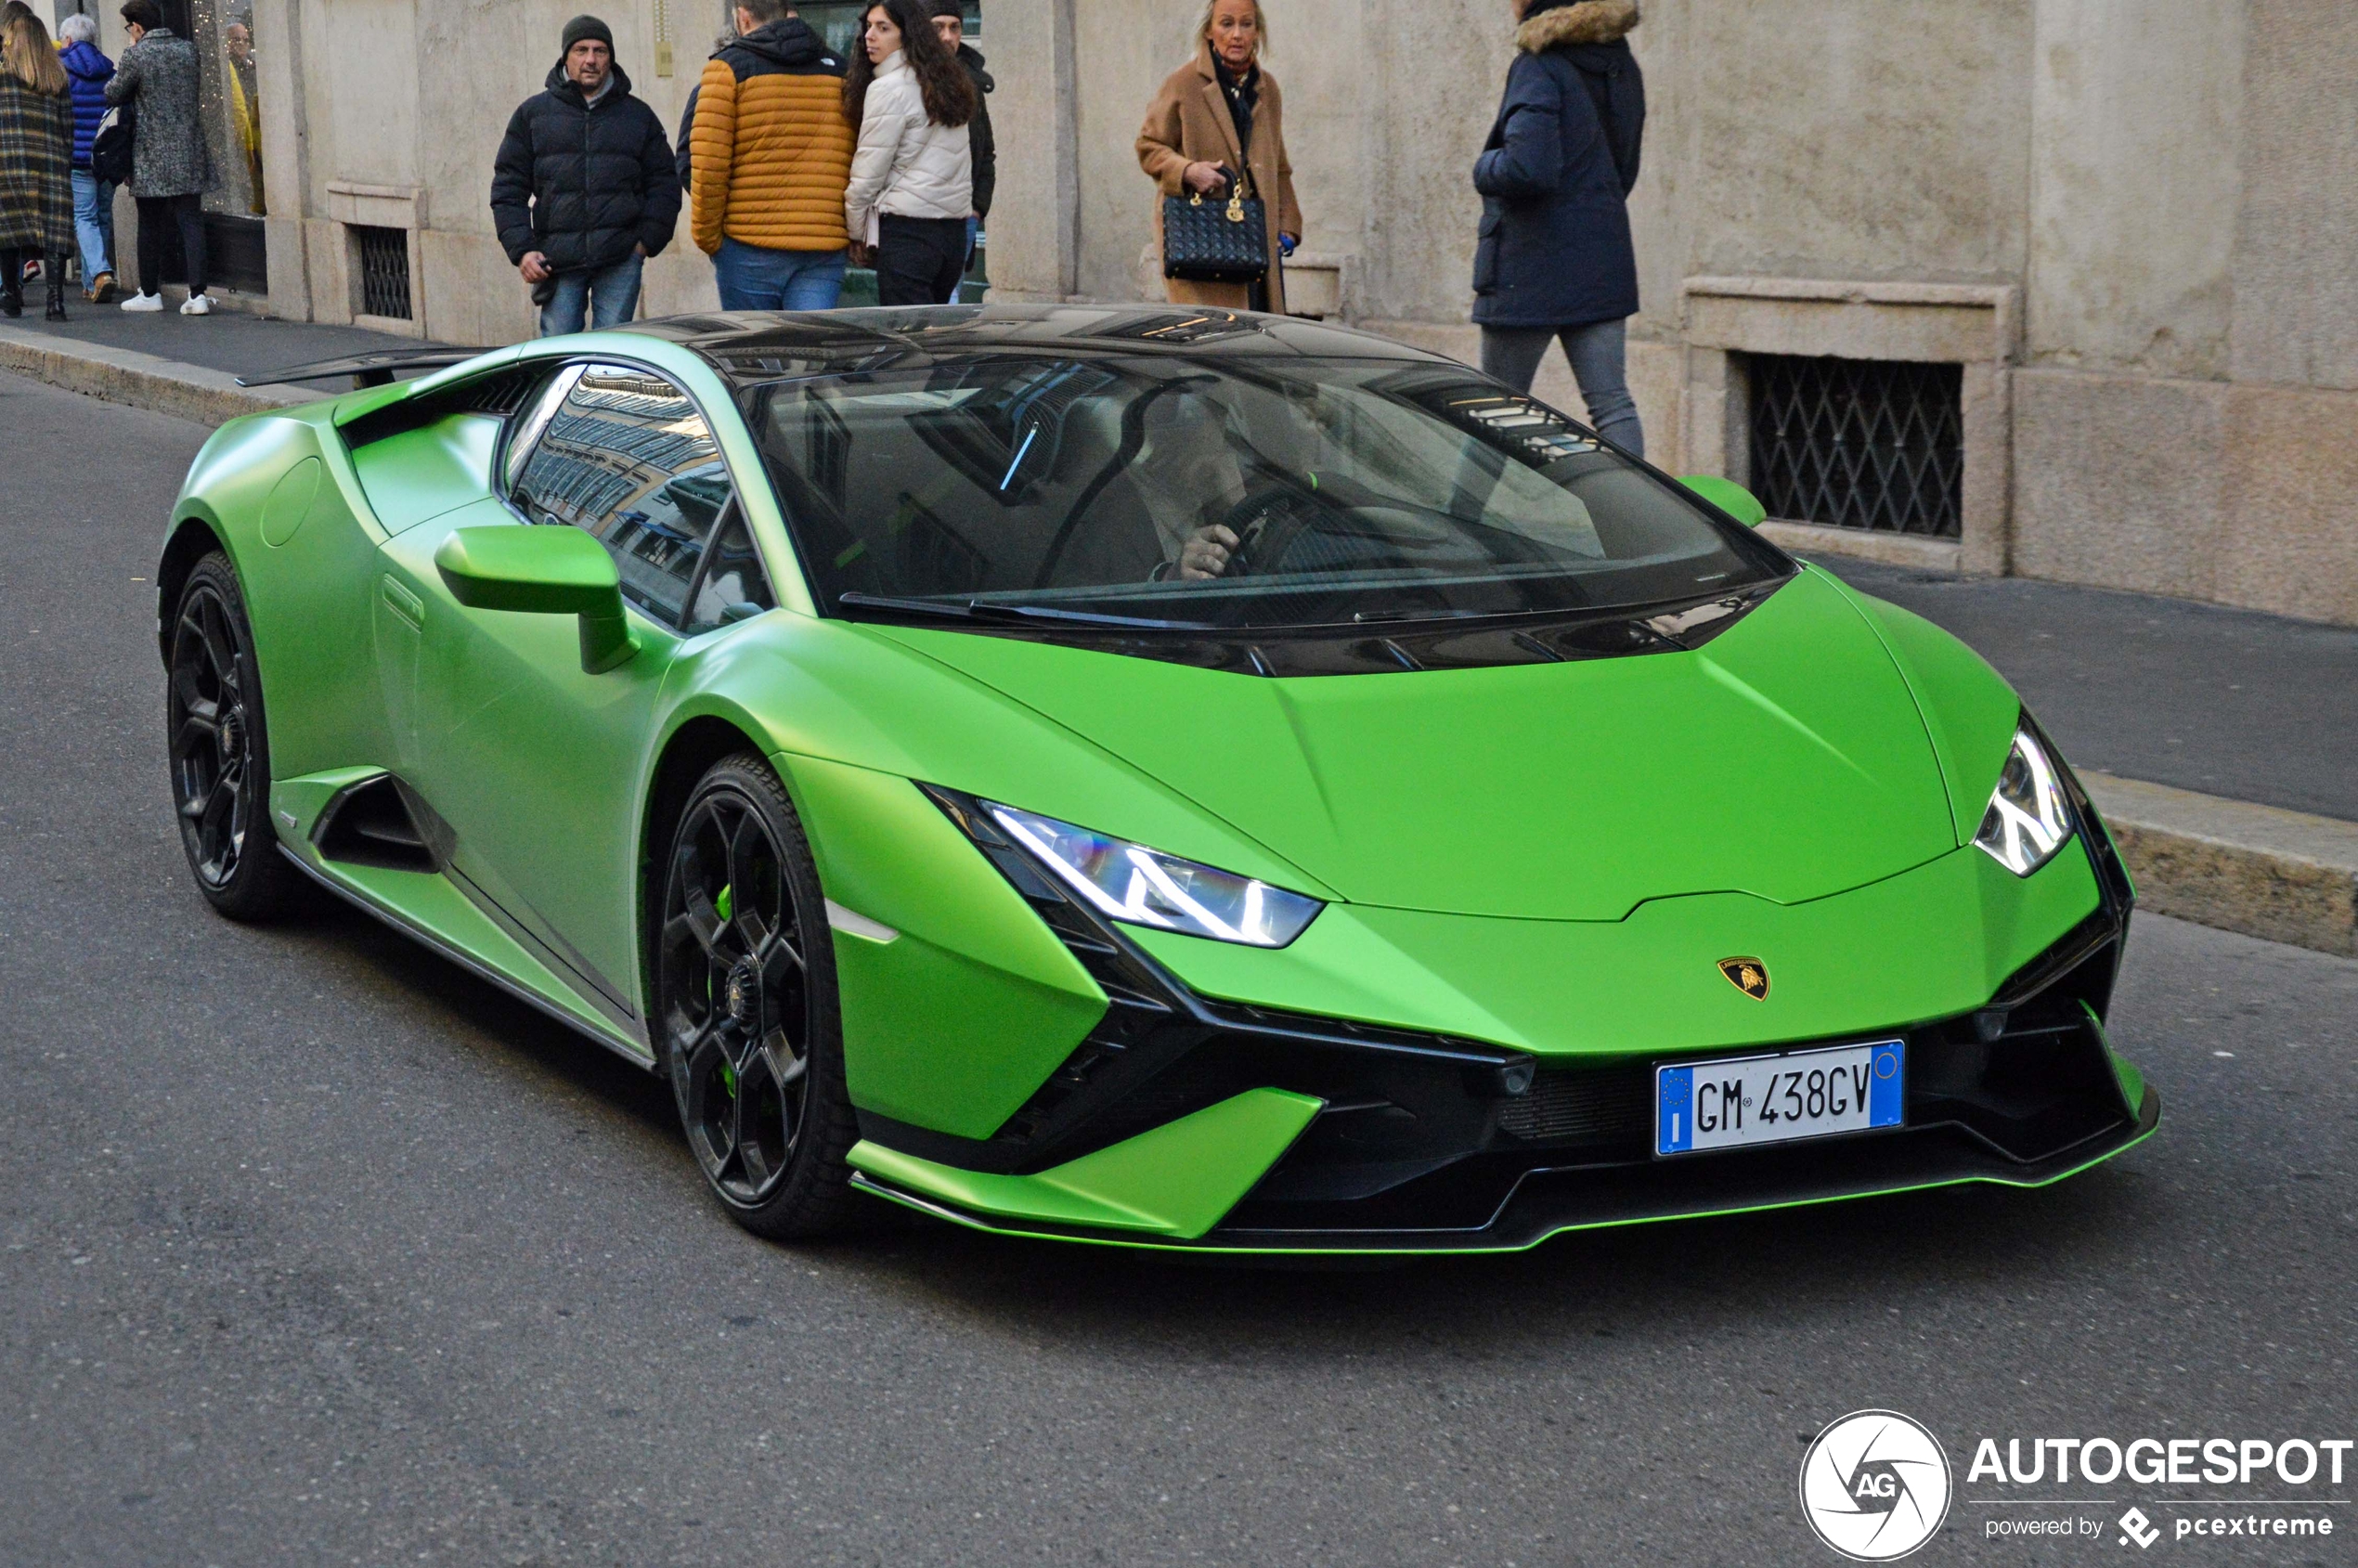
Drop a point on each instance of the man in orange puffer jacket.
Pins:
(770, 155)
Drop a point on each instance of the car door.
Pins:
(534, 765)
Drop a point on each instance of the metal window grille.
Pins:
(1866, 444)
(384, 270)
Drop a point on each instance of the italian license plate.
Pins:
(1748, 1100)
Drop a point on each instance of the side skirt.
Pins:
(635, 1051)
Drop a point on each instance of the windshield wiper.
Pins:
(1015, 615)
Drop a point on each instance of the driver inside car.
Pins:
(1191, 476)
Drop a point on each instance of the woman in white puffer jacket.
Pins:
(912, 175)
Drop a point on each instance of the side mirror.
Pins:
(542, 570)
(1729, 497)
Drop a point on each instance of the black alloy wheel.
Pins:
(220, 750)
(746, 1007)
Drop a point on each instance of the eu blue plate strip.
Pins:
(1675, 1093)
(1888, 1094)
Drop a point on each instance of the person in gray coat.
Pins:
(170, 167)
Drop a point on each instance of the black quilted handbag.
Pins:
(1217, 239)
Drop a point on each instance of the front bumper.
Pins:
(1187, 1121)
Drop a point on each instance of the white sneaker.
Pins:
(196, 305)
(144, 302)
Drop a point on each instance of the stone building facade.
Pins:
(2087, 270)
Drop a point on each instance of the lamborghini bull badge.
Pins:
(1747, 975)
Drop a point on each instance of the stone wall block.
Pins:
(470, 295)
(2118, 481)
(2290, 534)
(2296, 256)
(1985, 498)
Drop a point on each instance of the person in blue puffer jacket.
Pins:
(1554, 260)
(86, 74)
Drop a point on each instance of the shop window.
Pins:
(1866, 444)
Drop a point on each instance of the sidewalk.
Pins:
(2222, 744)
(180, 364)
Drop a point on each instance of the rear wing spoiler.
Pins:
(367, 369)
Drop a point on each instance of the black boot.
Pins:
(11, 284)
(55, 276)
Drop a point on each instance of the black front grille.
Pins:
(384, 270)
(1581, 1105)
(1867, 443)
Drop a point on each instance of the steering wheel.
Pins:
(1266, 524)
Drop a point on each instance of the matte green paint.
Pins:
(541, 766)
(290, 502)
(954, 1025)
(1784, 760)
(1930, 943)
(1175, 1181)
(309, 599)
(853, 694)
(1729, 497)
(542, 572)
(422, 474)
(1968, 710)
(1547, 857)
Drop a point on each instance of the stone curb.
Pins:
(2284, 877)
(141, 380)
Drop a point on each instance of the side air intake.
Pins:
(372, 824)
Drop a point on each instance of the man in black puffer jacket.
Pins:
(583, 189)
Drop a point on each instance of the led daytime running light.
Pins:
(2027, 820)
(1129, 882)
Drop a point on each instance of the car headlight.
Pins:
(1130, 882)
(2027, 820)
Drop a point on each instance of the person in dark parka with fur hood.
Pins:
(1555, 260)
(584, 188)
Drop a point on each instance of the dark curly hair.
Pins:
(949, 91)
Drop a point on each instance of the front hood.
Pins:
(1785, 759)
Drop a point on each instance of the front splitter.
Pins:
(1551, 1200)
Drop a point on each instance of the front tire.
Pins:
(746, 1011)
(219, 746)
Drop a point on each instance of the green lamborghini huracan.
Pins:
(1144, 775)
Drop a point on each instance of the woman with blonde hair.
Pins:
(1217, 115)
(36, 162)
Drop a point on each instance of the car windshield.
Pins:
(1249, 496)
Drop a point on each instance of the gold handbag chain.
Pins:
(1237, 187)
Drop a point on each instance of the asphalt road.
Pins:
(316, 1251)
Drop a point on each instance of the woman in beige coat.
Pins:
(1219, 113)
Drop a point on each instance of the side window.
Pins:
(733, 587)
(625, 458)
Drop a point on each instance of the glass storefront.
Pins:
(230, 103)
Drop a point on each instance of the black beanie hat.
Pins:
(588, 28)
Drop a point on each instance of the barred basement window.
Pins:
(384, 270)
(1868, 444)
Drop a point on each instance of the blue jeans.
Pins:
(94, 224)
(605, 296)
(755, 279)
(1599, 355)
